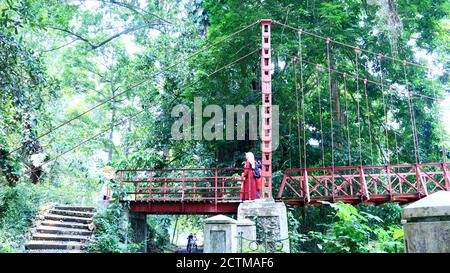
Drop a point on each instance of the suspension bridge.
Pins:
(360, 180)
(218, 190)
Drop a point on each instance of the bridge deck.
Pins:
(184, 207)
(355, 199)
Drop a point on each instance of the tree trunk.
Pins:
(32, 147)
(7, 168)
(127, 146)
(175, 229)
(111, 131)
(337, 115)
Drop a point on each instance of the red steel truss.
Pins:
(364, 184)
(182, 191)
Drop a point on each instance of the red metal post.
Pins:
(182, 186)
(362, 181)
(419, 179)
(266, 115)
(333, 187)
(223, 188)
(195, 188)
(283, 183)
(388, 174)
(165, 188)
(306, 185)
(150, 186)
(446, 177)
(138, 190)
(134, 189)
(215, 186)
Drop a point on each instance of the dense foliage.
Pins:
(18, 205)
(112, 231)
(61, 58)
(356, 231)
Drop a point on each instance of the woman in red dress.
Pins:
(248, 188)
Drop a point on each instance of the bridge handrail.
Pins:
(180, 169)
(365, 184)
(219, 183)
(365, 167)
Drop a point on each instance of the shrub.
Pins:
(112, 231)
(18, 207)
(356, 231)
(158, 233)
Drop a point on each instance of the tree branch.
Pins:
(126, 31)
(61, 46)
(95, 46)
(72, 34)
(134, 9)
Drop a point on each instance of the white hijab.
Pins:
(250, 157)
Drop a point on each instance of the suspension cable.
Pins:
(108, 128)
(412, 116)
(346, 119)
(368, 81)
(330, 102)
(444, 156)
(302, 89)
(387, 158)
(389, 87)
(368, 113)
(136, 114)
(177, 95)
(290, 153)
(190, 56)
(395, 133)
(320, 115)
(354, 47)
(357, 105)
(297, 112)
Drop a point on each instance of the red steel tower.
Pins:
(266, 115)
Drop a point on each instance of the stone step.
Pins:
(63, 230)
(67, 218)
(58, 237)
(77, 208)
(72, 213)
(55, 251)
(41, 245)
(64, 224)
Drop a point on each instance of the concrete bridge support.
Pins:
(426, 224)
(261, 226)
(220, 235)
(270, 218)
(138, 223)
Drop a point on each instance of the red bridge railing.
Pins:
(361, 184)
(196, 184)
(364, 184)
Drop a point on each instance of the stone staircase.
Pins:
(64, 229)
